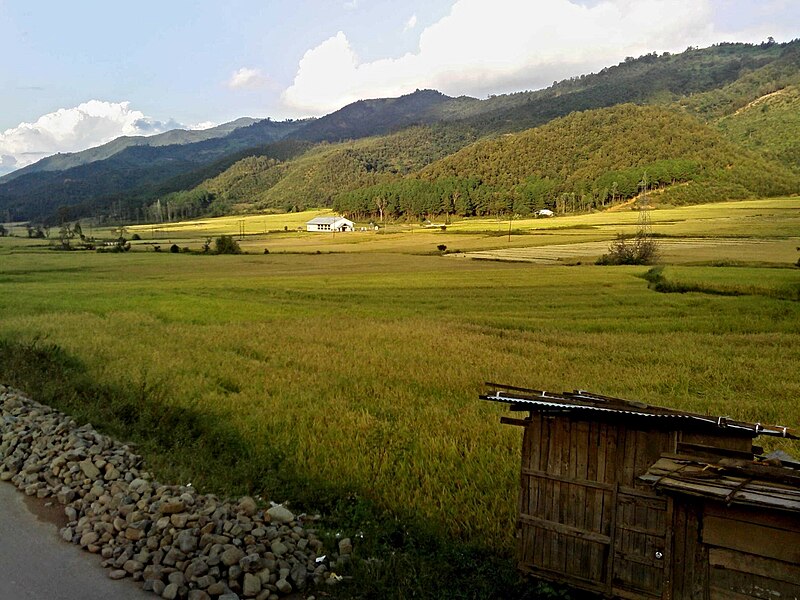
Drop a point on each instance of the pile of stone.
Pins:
(177, 542)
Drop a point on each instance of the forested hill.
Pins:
(584, 161)
(715, 85)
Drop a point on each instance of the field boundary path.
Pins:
(559, 253)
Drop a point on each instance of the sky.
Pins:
(77, 74)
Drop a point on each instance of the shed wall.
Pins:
(752, 553)
(584, 518)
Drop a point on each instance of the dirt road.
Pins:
(35, 564)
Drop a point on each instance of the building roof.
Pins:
(765, 483)
(589, 405)
(326, 220)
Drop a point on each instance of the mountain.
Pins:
(62, 162)
(379, 141)
(130, 175)
(367, 118)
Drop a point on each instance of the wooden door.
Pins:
(641, 545)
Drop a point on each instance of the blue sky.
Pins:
(76, 74)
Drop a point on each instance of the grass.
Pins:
(348, 382)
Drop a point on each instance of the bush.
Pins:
(225, 244)
(136, 237)
(642, 250)
(441, 248)
(174, 249)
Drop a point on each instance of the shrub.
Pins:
(642, 250)
(174, 248)
(441, 248)
(225, 244)
(136, 237)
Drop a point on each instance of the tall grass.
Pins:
(350, 382)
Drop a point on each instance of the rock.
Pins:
(299, 574)
(216, 589)
(247, 506)
(280, 514)
(231, 556)
(278, 548)
(251, 563)
(187, 541)
(132, 566)
(345, 546)
(88, 468)
(170, 508)
(251, 586)
(170, 592)
(283, 586)
(177, 542)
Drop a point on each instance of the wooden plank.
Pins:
(779, 520)
(548, 487)
(700, 580)
(668, 552)
(586, 498)
(568, 530)
(558, 577)
(613, 538)
(718, 594)
(755, 565)
(569, 480)
(752, 538)
(626, 594)
(513, 421)
(640, 558)
(726, 439)
(629, 459)
(684, 449)
(751, 586)
(566, 505)
(681, 565)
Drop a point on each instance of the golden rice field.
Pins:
(361, 366)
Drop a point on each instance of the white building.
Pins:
(330, 224)
(545, 212)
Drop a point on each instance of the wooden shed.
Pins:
(634, 501)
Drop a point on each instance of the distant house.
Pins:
(545, 212)
(330, 224)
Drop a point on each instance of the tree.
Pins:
(380, 203)
(225, 244)
(3, 230)
(65, 235)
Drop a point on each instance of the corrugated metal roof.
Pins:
(581, 401)
(326, 220)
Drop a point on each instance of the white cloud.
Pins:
(411, 23)
(72, 129)
(504, 45)
(247, 78)
(203, 125)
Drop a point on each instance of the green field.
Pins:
(354, 373)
